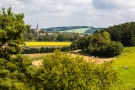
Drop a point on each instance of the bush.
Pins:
(114, 48)
(64, 72)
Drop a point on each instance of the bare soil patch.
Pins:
(37, 63)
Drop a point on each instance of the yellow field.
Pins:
(48, 43)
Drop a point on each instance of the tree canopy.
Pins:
(124, 33)
(98, 44)
(12, 27)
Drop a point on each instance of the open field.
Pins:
(80, 30)
(47, 44)
(127, 58)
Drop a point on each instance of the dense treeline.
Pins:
(98, 44)
(28, 50)
(50, 36)
(124, 33)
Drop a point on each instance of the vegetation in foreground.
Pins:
(59, 71)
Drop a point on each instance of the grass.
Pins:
(81, 30)
(47, 44)
(127, 58)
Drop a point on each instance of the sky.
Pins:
(56, 13)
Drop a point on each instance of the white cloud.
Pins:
(73, 12)
(81, 1)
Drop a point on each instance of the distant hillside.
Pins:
(92, 29)
(80, 30)
(76, 29)
(64, 28)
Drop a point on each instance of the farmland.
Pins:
(47, 44)
(81, 30)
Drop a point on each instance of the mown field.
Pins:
(47, 44)
(127, 58)
(80, 30)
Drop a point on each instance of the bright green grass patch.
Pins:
(81, 30)
(48, 43)
(127, 58)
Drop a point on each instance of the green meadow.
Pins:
(127, 58)
(80, 30)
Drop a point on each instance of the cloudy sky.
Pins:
(50, 13)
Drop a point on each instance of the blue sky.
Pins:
(50, 13)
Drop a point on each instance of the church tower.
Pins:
(37, 28)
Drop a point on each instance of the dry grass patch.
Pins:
(87, 58)
(35, 55)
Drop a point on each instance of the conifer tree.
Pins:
(12, 27)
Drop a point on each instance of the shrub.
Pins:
(114, 48)
(64, 72)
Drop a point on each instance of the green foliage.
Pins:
(12, 26)
(106, 35)
(27, 50)
(114, 48)
(64, 72)
(74, 45)
(123, 33)
(98, 45)
(17, 74)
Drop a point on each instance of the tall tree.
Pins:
(12, 27)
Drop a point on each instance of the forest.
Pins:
(124, 33)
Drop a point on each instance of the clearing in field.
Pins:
(47, 44)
